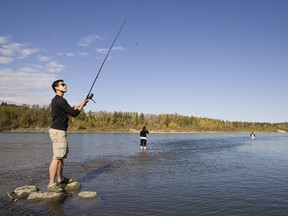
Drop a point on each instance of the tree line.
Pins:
(14, 117)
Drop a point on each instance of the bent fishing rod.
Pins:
(90, 95)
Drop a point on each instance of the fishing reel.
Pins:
(90, 97)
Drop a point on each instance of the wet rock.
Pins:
(46, 196)
(24, 191)
(32, 193)
(87, 195)
(71, 187)
(12, 196)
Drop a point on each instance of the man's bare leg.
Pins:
(60, 170)
(53, 170)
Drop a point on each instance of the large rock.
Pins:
(87, 195)
(46, 196)
(24, 191)
(71, 187)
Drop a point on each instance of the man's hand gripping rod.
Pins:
(90, 95)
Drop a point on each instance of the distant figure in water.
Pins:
(143, 139)
(252, 136)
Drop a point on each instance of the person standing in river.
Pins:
(252, 136)
(143, 138)
(60, 110)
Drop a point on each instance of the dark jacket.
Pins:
(143, 132)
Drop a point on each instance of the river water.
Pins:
(179, 174)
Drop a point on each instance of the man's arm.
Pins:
(82, 105)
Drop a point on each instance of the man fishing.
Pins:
(58, 134)
(143, 139)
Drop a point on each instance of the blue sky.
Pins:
(222, 59)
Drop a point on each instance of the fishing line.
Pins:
(90, 95)
(133, 35)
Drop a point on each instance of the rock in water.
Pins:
(12, 196)
(46, 196)
(87, 195)
(73, 186)
(24, 191)
(32, 193)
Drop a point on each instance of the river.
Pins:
(179, 174)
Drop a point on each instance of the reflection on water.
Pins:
(179, 174)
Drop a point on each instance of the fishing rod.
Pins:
(90, 95)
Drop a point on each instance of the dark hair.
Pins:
(56, 83)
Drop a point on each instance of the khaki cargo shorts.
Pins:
(59, 143)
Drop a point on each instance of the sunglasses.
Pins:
(63, 84)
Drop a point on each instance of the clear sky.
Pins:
(222, 59)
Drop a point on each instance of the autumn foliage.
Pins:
(13, 117)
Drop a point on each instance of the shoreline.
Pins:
(132, 131)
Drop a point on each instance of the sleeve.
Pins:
(68, 109)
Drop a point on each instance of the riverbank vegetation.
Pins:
(38, 118)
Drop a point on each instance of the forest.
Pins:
(38, 118)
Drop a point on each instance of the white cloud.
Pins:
(4, 40)
(53, 66)
(70, 54)
(105, 50)
(30, 84)
(43, 58)
(77, 54)
(26, 52)
(25, 85)
(11, 50)
(6, 60)
(118, 48)
(82, 54)
(102, 50)
(86, 41)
